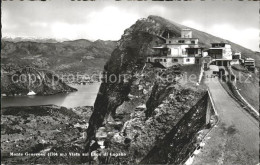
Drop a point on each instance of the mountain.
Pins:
(69, 56)
(21, 81)
(145, 109)
(32, 39)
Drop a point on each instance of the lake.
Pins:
(85, 96)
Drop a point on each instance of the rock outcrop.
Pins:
(128, 59)
(21, 81)
(139, 92)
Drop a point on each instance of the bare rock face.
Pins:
(126, 59)
(141, 96)
(21, 81)
(140, 135)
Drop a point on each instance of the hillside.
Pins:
(42, 129)
(74, 56)
(21, 81)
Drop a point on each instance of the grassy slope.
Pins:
(74, 56)
(249, 86)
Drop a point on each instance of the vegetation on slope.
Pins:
(75, 56)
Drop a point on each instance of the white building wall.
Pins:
(186, 40)
(204, 54)
(170, 61)
(188, 60)
(186, 34)
(227, 53)
(234, 61)
(178, 50)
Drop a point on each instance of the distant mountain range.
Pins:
(33, 39)
(68, 56)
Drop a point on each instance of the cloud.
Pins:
(156, 10)
(108, 20)
(61, 30)
(109, 23)
(193, 24)
(245, 37)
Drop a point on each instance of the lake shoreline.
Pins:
(84, 96)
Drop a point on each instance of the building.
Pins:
(183, 50)
(220, 53)
(249, 63)
(236, 58)
(206, 62)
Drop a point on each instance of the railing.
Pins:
(195, 148)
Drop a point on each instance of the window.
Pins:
(193, 42)
(164, 60)
(183, 51)
(175, 60)
(181, 41)
(169, 51)
(160, 60)
(187, 60)
(170, 42)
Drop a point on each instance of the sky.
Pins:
(237, 21)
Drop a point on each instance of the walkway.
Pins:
(235, 140)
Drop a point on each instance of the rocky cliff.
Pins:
(21, 81)
(128, 58)
(139, 104)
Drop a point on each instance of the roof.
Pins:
(222, 59)
(195, 47)
(185, 29)
(180, 44)
(219, 43)
(250, 59)
(181, 38)
(160, 47)
(217, 48)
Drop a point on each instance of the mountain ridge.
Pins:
(75, 56)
